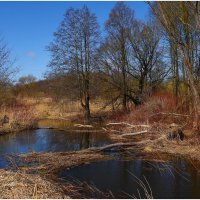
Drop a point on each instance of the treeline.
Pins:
(124, 64)
(131, 58)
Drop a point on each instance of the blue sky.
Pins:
(28, 28)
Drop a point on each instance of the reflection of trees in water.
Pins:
(89, 139)
(115, 176)
(50, 140)
(27, 138)
(85, 141)
(4, 142)
(62, 141)
(175, 175)
(16, 143)
(192, 168)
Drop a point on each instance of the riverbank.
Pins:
(30, 113)
(39, 180)
(139, 134)
(47, 165)
(157, 139)
(150, 131)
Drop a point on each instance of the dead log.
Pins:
(114, 123)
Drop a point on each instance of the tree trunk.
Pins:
(86, 110)
(124, 101)
(195, 95)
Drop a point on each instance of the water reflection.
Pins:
(46, 140)
(175, 179)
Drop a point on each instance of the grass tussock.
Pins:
(20, 117)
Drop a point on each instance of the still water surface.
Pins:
(174, 179)
(48, 140)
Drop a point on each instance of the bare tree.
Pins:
(114, 50)
(25, 86)
(27, 79)
(131, 56)
(181, 23)
(7, 71)
(147, 64)
(73, 51)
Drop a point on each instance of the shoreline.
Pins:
(146, 146)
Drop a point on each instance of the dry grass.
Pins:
(50, 163)
(20, 117)
(18, 185)
(65, 108)
(159, 112)
(178, 148)
(150, 111)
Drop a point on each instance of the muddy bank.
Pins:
(150, 145)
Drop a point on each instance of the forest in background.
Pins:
(151, 66)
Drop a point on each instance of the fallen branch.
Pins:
(115, 131)
(114, 123)
(83, 131)
(141, 125)
(136, 133)
(82, 125)
(132, 125)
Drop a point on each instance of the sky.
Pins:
(27, 28)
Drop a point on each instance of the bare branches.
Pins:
(6, 64)
(180, 22)
(73, 51)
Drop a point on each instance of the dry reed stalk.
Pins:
(18, 185)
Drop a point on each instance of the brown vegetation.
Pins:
(140, 84)
(19, 185)
(20, 117)
(51, 162)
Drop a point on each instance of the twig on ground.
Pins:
(136, 133)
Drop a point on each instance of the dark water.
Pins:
(46, 140)
(175, 179)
